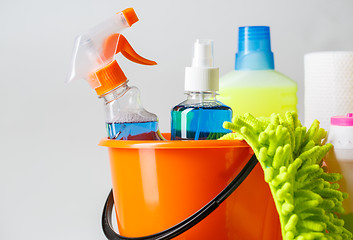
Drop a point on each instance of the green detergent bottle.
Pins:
(254, 86)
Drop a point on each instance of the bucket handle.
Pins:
(187, 223)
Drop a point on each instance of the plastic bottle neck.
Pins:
(254, 49)
(115, 93)
(202, 96)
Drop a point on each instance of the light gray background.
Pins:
(53, 177)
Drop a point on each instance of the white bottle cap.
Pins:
(202, 76)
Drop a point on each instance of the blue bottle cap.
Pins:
(254, 49)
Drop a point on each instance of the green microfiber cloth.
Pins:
(306, 197)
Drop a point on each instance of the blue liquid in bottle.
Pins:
(126, 119)
(195, 122)
(133, 131)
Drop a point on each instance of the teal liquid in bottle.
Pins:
(200, 116)
(200, 121)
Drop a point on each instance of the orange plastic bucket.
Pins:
(157, 184)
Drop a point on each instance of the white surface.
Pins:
(328, 86)
(53, 177)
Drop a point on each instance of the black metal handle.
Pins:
(187, 223)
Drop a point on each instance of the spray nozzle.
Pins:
(94, 51)
(202, 76)
(203, 53)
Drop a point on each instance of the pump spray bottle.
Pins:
(94, 60)
(201, 116)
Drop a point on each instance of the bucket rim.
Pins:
(172, 144)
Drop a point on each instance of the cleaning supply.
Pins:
(94, 61)
(201, 116)
(306, 197)
(340, 159)
(254, 86)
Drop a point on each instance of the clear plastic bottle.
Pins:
(254, 86)
(126, 119)
(200, 116)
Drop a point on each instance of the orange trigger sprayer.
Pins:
(111, 75)
(94, 61)
(118, 43)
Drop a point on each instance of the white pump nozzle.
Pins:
(202, 76)
(203, 53)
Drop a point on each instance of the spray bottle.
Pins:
(201, 116)
(94, 61)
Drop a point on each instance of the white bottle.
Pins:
(340, 159)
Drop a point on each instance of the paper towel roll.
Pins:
(328, 86)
